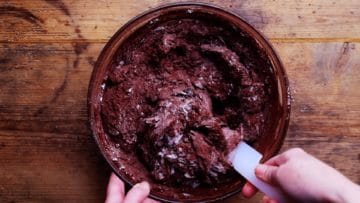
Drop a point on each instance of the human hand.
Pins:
(303, 178)
(116, 192)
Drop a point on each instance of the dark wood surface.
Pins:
(47, 52)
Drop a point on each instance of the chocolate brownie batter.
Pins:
(181, 95)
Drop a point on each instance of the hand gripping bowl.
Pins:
(277, 107)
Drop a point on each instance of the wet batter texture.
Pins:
(181, 96)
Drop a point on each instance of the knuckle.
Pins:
(276, 175)
(291, 153)
(270, 174)
(296, 151)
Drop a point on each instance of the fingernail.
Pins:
(143, 185)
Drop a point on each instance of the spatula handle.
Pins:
(244, 160)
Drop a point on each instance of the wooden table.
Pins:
(47, 52)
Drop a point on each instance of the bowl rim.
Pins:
(271, 52)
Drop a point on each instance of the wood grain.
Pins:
(287, 20)
(47, 51)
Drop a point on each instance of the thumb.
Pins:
(267, 173)
(138, 193)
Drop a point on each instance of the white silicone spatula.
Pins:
(244, 160)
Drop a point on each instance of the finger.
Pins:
(249, 190)
(285, 156)
(277, 160)
(138, 193)
(267, 199)
(266, 173)
(148, 200)
(115, 191)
